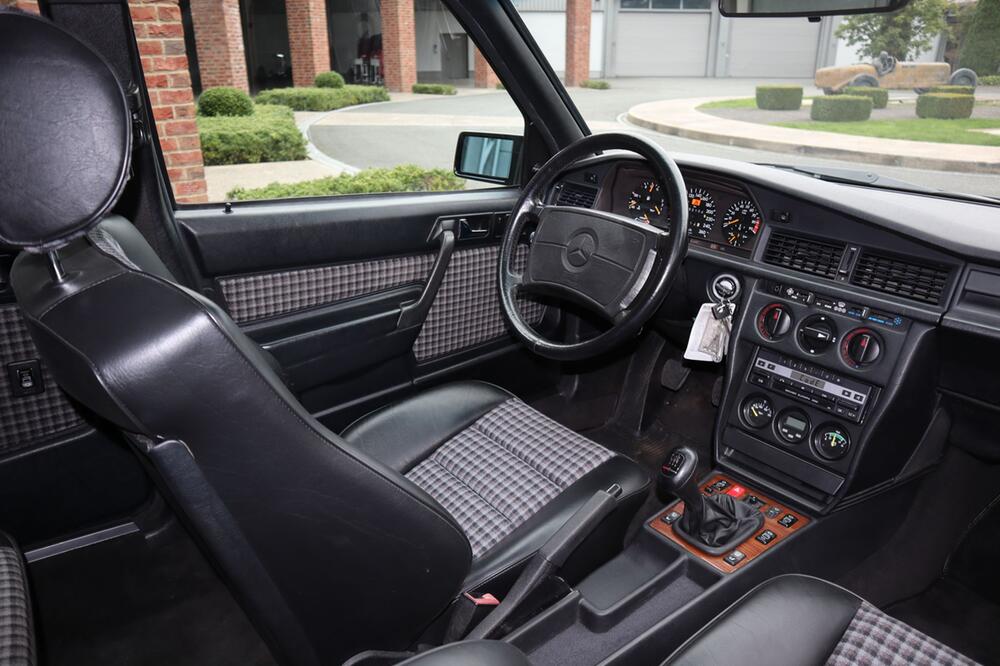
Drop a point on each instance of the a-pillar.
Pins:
(308, 40)
(577, 41)
(399, 45)
(218, 38)
(485, 77)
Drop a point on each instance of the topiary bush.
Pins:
(434, 89)
(269, 135)
(945, 105)
(954, 90)
(329, 80)
(880, 97)
(403, 178)
(595, 84)
(224, 102)
(779, 97)
(323, 99)
(841, 108)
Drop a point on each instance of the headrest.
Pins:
(65, 134)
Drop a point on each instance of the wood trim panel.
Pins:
(751, 547)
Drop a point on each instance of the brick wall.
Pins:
(484, 75)
(399, 45)
(160, 35)
(221, 58)
(577, 41)
(308, 41)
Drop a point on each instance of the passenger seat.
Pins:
(17, 634)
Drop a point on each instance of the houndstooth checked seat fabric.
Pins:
(17, 644)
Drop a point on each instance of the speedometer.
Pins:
(646, 203)
(701, 212)
(741, 223)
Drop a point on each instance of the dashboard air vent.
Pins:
(804, 254)
(572, 194)
(901, 277)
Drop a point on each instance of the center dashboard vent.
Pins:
(806, 255)
(572, 194)
(901, 277)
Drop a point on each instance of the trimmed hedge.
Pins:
(779, 97)
(323, 99)
(841, 108)
(329, 80)
(595, 84)
(269, 135)
(224, 102)
(954, 90)
(947, 106)
(434, 89)
(880, 96)
(990, 80)
(403, 178)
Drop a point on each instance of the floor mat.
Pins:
(956, 616)
(123, 602)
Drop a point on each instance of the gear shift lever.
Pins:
(715, 523)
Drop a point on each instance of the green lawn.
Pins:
(741, 103)
(913, 129)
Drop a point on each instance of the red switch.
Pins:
(736, 492)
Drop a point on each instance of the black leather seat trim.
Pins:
(402, 434)
(527, 538)
(790, 620)
(471, 653)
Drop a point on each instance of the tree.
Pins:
(980, 50)
(904, 34)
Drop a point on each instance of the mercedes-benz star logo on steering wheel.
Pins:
(580, 249)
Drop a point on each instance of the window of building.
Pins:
(375, 105)
(666, 4)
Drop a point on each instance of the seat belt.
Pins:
(550, 558)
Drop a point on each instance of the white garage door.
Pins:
(661, 43)
(773, 47)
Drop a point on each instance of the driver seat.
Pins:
(332, 544)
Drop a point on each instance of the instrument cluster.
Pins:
(720, 214)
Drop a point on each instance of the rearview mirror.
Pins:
(488, 157)
(807, 7)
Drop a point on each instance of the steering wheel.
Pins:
(613, 266)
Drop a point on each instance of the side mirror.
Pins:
(492, 158)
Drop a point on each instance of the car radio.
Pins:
(810, 384)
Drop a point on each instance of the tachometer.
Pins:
(647, 203)
(701, 212)
(741, 223)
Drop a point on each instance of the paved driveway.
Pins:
(424, 130)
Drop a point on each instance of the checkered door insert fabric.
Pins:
(875, 639)
(502, 469)
(26, 419)
(466, 311)
(17, 644)
(254, 297)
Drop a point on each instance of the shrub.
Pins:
(980, 50)
(841, 108)
(880, 97)
(225, 102)
(954, 90)
(945, 105)
(434, 89)
(403, 178)
(329, 80)
(595, 84)
(323, 99)
(990, 80)
(269, 135)
(779, 97)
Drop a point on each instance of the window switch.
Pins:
(25, 378)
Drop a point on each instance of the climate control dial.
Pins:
(774, 321)
(861, 347)
(817, 333)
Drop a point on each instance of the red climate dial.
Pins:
(861, 347)
(773, 321)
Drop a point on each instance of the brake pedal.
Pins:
(674, 374)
